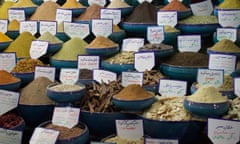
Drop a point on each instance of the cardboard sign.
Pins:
(167, 18)
(48, 26)
(155, 34)
(3, 26)
(144, 61)
(228, 18)
(63, 15)
(69, 75)
(88, 62)
(204, 8)
(8, 101)
(104, 76)
(76, 30)
(102, 27)
(44, 136)
(226, 33)
(38, 48)
(8, 136)
(189, 43)
(237, 86)
(208, 77)
(8, 61)
(172, 87)
(114, 14)
(160, 141)
(132, 44)
(132, 78)
(18, 15)
(102, 3)
(41, 71)
(28, 26)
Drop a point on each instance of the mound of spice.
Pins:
(133, 92)
(145, 13)
(71, 49)
(47, 36)
(188, 59)
(102, 42)
(124, 57)
(4, 9)
(207, 94)
(116, 28)
(24, 3)
(169, 29)
(175, 5)
(155, 47)
(229, 4)
(21, 45)
(66, 88)
(26, 65)
(152, 77)
(92, 12)
(118, 140)
(35, 92)
(226, 45)
(72, 4)
(46, 11)
(14, 25)
(7, 78)
(10, 120)
(118, 4)
(199, 20)
(4, 38)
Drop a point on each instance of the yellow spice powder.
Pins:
(72, 4)
(14, 25)
(4, 38)
(4, 9)
(24, 3)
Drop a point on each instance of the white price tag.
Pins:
(144, 61)
(204, 8)
(18, 15)
(226, 33)
(28, 26)
(102, 27)
(237, 86)
(8, 61)
(8, 101)
(48, 72)
(229, 18)
(48, 26)
(8, 136)
(172, 87)
(160, 141)
(132, 78)
(167, 18)
(88, 62)
(104, 76)
(3, 26)
(155, 34)
(141, 1)
(189, 43)
(69, 76)
(44, 136)
(208, 77)
(38, 49)
(102, 3)
(114, 14)
(63, 15)
(132, 44)
(76, 30)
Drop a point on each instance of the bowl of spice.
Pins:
(229, 5)
(9, 81)
(78, 134)
(64, 93)
(237, 42)
(4, 41)
(133, 98)
(118, 140)
(13, 29)
(12, 121)
(207, 101)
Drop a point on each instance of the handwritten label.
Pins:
(8, 136)
(18, 15)
(160, 141)
(28, 26)
(167, 18)
(144, 61)
(208, 77)
(44, 136)
(3, 26)
(237, 86)
(98, 2)
(88, 62)
(204, 8)
(132, 78)
(189, 43)
(226, 33)
(76, 29)
(102, 27)
(114, 14)
(69, 76)
(65, 116)
(8, 101)
(222, 62)
(50, 0)
(8, 61)
(38, 49)
(104, 76)
(48, 26)
(129, 129)
(141, 1)
(132, 44)
(63, 15)
(172, 87)
(228, 18)
(48, 72)
(155, 34)
(223, 131)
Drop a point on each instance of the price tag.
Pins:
(114, 14)
(104, 76)
(44, 136)
(29, 26)
(144, 61)
(3, 26)
(189, 43)
(41, 71)
(63, 15)
(141, 1)
(129, 129)
(76, 30)
(208, 77)
(8, 61)
(8, 101)
(204, 8)
(167, 18)
(222, 62)
(69, 76)
(223, 131)
(38, 48)
(88, 62)
(48, 26)
(229, 18)
(65, 116)
(160, 141)
(155, 34)
(237, 86)
(132, 44)
(101, 3)
(50, 0)
(172, 87)
(18, 15)
(226, 33)
(8, 136)
(132, 78)
(102, 27)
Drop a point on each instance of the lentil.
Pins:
(4, 38)
(199, 20)
(92, 12)
(26, 65)
(175, 5)
(102, 42)
(7, 78)
(47, 36)
(10, 120)
(118, 140)
(225, 45)
(123, 57)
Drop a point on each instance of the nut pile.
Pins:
(152, 77)
(118, 140)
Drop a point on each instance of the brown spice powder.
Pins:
(92, 12)
(101, 42)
